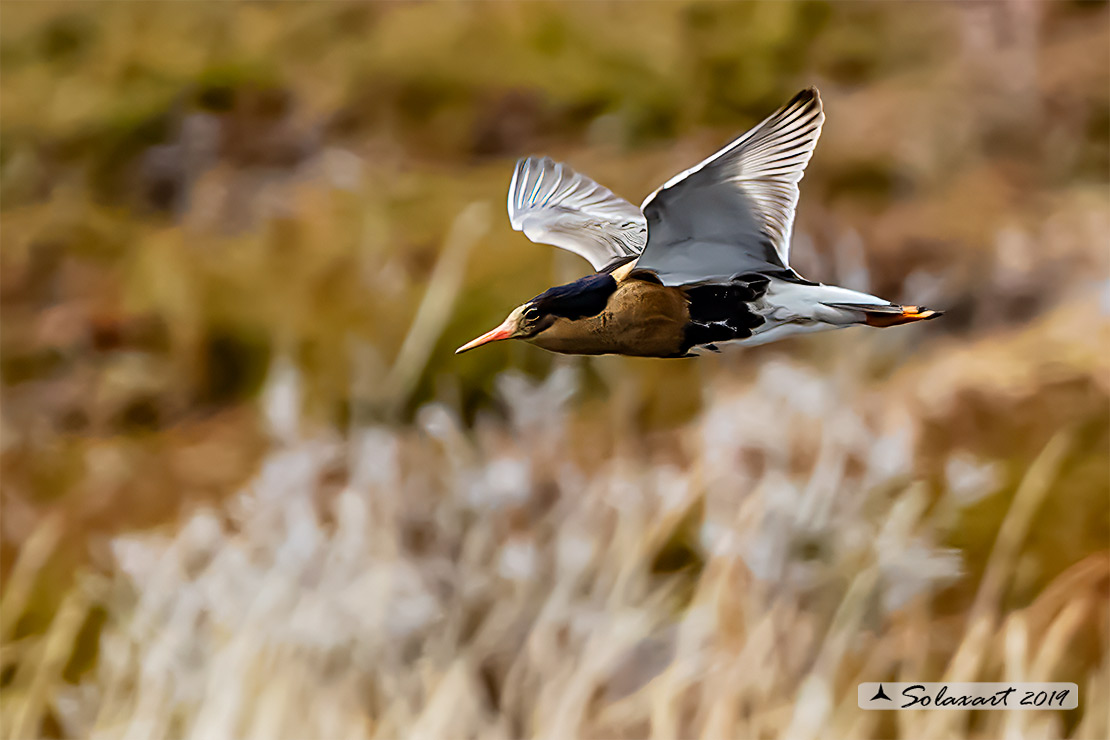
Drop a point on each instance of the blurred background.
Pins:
(248, 490)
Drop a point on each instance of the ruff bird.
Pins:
(703, 262)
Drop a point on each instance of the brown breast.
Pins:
(641, 319)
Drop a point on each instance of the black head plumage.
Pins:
(578, 300)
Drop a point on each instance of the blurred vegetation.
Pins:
(193, 194)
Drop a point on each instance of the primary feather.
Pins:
(553, 204)
(734, 212)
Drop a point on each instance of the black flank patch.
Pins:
(696, 334)
(578, 300)
(720, 312)
(718, 302)
(747, 319)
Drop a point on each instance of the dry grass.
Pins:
(443, 582)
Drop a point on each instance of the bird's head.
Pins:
(525, 322)
(581, 299)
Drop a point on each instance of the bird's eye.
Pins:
(532, 315)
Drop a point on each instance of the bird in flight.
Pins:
(705, 261)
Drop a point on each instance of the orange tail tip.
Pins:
(908, 314)
(889, 315)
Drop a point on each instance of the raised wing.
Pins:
(553, 204)
(733, 213)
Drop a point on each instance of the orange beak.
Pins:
(496, 335)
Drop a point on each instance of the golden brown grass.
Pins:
(442, 583)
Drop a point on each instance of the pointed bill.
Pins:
(508, 326)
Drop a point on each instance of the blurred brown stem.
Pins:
(435, 308)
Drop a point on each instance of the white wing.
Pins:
(734, 211)
(553, 204)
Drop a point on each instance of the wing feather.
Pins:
(734, 212)
(553, 204)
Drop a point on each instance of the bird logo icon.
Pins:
(880, 694)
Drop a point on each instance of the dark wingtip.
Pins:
(809, 94)
(808, 99)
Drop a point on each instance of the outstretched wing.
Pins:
(553, 204)
(733, 213)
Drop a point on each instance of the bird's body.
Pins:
(702, 263)
(640, 318)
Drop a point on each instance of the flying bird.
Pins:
(705, 261)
